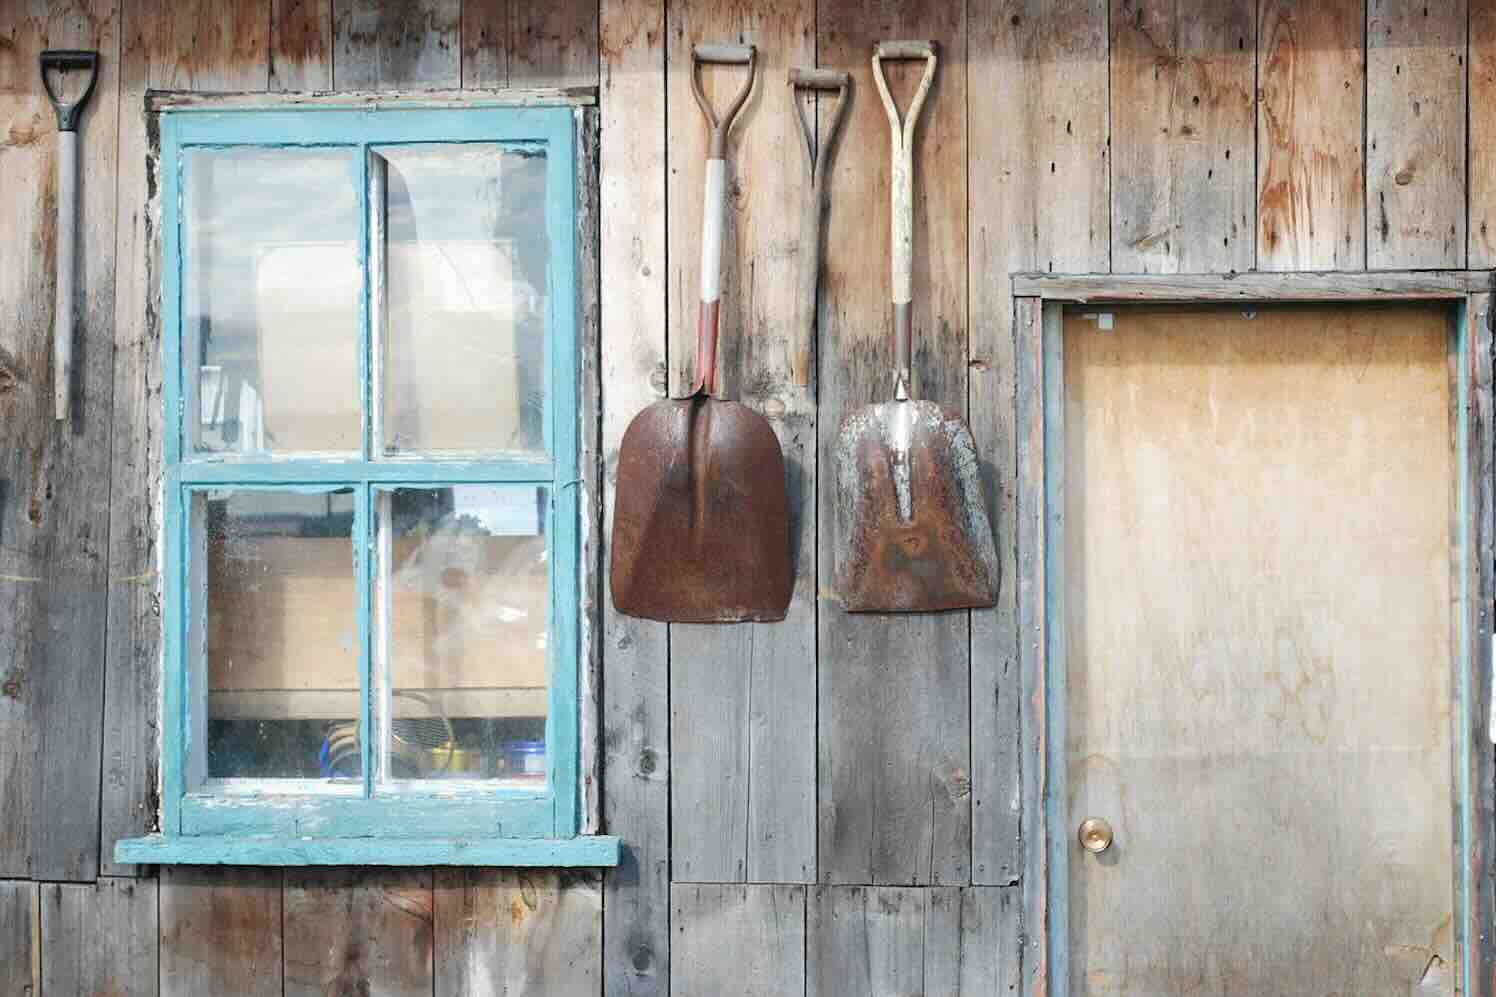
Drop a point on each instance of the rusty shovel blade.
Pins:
(701, 530)
(912, 533)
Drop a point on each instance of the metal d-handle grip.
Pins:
(62, 60)
(902, 191)
(715, 201)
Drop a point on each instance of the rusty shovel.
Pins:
(912, 533)
(701, 530)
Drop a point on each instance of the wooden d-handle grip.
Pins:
(721, 53)
(904, 50)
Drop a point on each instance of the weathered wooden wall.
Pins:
(828, 804)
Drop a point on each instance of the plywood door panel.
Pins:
(1257, 565)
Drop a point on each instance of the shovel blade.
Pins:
(701, 530)
(912, 533)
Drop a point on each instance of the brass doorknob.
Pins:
(1095, 835)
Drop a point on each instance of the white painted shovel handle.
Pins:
(67, 258)
(712, 210)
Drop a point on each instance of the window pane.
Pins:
(281, 645)
(461, 599)
(271, 297)
(465, 297)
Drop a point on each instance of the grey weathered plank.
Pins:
(100, 938)
(160, 51)
(865, 940)
(893, 742)
(300, 44)
(1415, 133)
(738, 941)
(1482, 137)
(635, 715)
(553, 44)
(971, 939)
(20, 941)
(404, 44)
(485, 43)
(1311, 83)
(1183, 80)
(517, 932)
(358, 932)
(1038, 175)
(220, 931)
(1448, 284)
(743, 697)
(590, 570)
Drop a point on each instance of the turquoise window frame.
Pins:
(461, 824)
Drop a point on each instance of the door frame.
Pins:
(1039, 301)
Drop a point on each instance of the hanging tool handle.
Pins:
(715, 201)
(831, 81)
(902, 190)
(62, 60)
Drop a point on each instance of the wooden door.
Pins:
(1259, 690)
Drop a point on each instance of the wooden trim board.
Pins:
(1427, 285)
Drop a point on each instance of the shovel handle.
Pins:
(902, 190)
(800, 81)
(62, 60)
(715, 200)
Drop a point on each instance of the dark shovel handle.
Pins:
(62, 60)
(830, 81)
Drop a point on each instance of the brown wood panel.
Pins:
(1183, 84)
(635, 715)
(300, 44)
(221, 931)
(1415, 134)
(100, 938)
(742, 698)
(553, 44)
(1038, 180)
(397, 44)
(20, 940)
(358, 931)
(1482, 134)
(159, 51)
(485, 43)
(738, 941)
(893, 740)
(1311, 82)
(517, 932)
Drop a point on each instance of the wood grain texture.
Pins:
(300, 45)
(508, 932)
(358, 932)
(590, 583)
(1038, 176)
(1415, 134)
(231, 52)
(636, 713)
(20, 940)
(100, 938)
(737, 941)
(220, 932)
(553, 44)
(743, 706)
(405, 44)
(1311, 82)
(1449, 285)
(894, 783)
(485, 43)
(1482, 134)
(1183, 82)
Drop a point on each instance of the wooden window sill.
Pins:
(274, 850)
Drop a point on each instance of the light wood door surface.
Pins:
(1259, 685)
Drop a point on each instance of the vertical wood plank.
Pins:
(220, 931)
(1482, 137)
(553, 44)
(485, 43)
(160, 50)
(743, 697)
(738, 941)
(1415, 134)
(971, 942)
(865, 940)
(20, 941)
(397, 44)
(100, 938)
(590, 457)
(894, 745)
(517, 932)
(636, 736)
(1038, 175)
(358, 931)
(300, 44)
(1183, 84)
(1311, 82)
